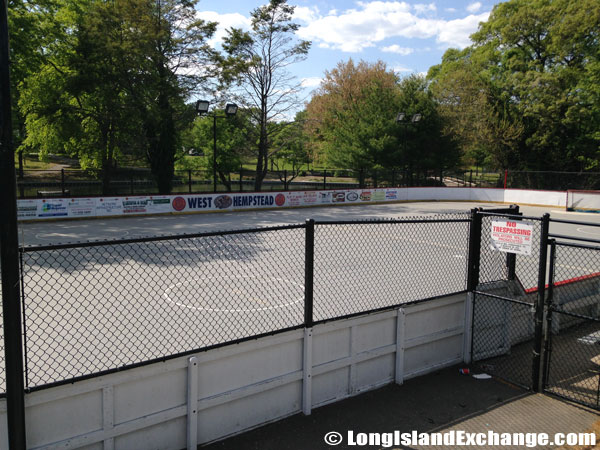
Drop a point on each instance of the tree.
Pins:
(535, 61)
(472, 113)
(257, 64)
(116, 82)
(291, 148)
(235, 137)
(352, 117)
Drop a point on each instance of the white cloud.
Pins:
(456, 32)
(397, 49)
(371, 22)
(356, 29)
(306, 14)
(474, 7)
(311, 82)
(225, 21)
(365, 26)
(450, 10)
(421, 8)
(401, 69)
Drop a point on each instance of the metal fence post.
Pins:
(241, 179)
(539, 306)
(62, 181)
(309, 272)
(9, 255)
(549, 302)
(325, 179)
(474, 250)
(190, 180)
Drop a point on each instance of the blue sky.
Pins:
(410, 36)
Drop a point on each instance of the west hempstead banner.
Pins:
(37, 209)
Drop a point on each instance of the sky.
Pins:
(409, 36)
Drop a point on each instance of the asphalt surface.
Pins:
(96, 308)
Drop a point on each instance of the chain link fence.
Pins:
(504, 304)
(91, 308)
(365, 266)
(573, 359)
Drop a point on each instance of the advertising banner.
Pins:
(184, 203)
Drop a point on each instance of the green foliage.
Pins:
(527, 86)
(112, 80)
(352, 119)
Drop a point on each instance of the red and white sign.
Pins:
(512, 237)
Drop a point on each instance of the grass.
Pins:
(31, 162)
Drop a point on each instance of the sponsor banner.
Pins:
(54, 208)
(352, 196)
(82, 207)
(112, 206)
(378, 195)
(159, 204)
(135, 205)
(181, 203)
(27, 209)
(512, 237)
(297, 198)
(324, 197)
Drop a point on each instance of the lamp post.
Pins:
(403, 119)
(230, 111)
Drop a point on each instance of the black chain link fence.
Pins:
(95, 307)
(365, 266)
(504, 306)
(573, 362)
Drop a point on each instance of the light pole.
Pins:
(402, 119)
(230, 110)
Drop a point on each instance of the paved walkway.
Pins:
(438, 402)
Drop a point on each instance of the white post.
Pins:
(192, 404)
(468, 334)
(307, 372)
(400, 322)
(108, 415)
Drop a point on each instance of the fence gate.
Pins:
(536, 310)
(505, 290)
(572, 345)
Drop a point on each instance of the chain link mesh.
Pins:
(504, 307)
(362, 267)
(503, 338)
(577, 280)
(574, 360)
(90, 309)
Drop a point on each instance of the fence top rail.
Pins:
(387, 221)
(575, 222)
(510, 216)
(573, 244)
(32, 249)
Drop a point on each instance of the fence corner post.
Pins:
(474, 250)
(539, 306)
